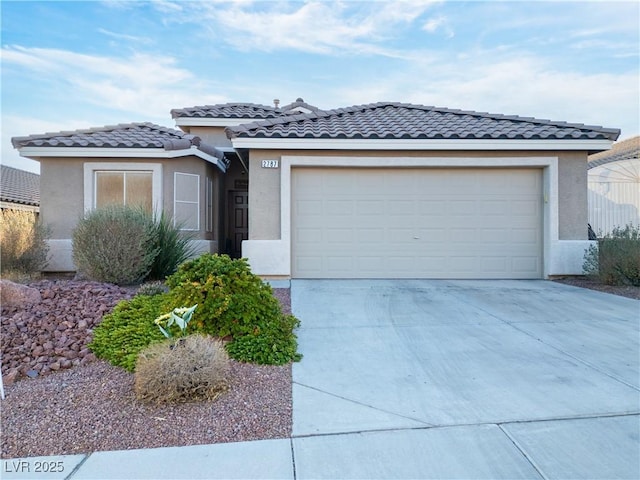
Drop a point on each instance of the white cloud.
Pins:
(141, 84)
(438, 23)
(128, 38)
(313, 27)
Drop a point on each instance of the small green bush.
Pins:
(23, 243)
(274, 345)
(128, 329)
(195, 367)
(115, 244)
(173, 247)
(231, 300)
(616, 258)
(234, 302)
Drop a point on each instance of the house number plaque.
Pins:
(270, 163)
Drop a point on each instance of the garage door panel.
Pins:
(416, 223)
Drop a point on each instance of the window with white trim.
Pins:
(186, 201)
(132, 188)
(122, 183)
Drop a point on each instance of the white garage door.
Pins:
(416, 223)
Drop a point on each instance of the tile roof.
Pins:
(130, 135)
(227, 110)
(241, 110)
(392, 120)
(625, 150)
(19, 186)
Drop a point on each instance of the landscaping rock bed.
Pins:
(66, 402)
(53, 334)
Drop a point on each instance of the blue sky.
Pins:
(69, 65)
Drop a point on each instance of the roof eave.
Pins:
(213, 121)
(589, 145)
(36, 153)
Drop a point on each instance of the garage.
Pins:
(416, 223)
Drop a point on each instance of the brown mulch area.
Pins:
(628, 291)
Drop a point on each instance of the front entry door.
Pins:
(238, 221)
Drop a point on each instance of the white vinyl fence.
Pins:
(614, 195)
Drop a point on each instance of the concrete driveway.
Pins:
(465, 379)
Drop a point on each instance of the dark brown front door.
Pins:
(238, 221)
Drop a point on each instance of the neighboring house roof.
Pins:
(398, 121)
(626, 150)
(19, 186)
(119, 139)
(242, 110)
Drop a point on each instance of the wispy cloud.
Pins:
(143, 84)
(438, 23)
(312, 27)
(128, 38)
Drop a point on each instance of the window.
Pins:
(124, 188)
(123, 183)
(186, 201)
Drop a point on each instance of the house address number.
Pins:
(270, 163)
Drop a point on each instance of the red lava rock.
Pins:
(10, 377)
(54, 332)
(17, 295)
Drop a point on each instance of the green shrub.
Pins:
(115, 244)
(274, 345)
(23, 243)
(173, 247)
(616, 258)
(190, 368)
(234, 302)
(128, 329)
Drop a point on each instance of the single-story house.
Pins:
(614, 187)
(19, 189)
(384, 190)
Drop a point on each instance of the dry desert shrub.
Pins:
(180, 370)
(23, 243)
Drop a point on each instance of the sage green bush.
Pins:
(616, 258)
(128, 329)
(115, 244)
(23, 244)
(126, 245)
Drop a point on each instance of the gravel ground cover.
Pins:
(90, 406)
(583, 282)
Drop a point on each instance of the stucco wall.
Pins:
(264, 188)
(62, 198)
(61, 195)
(213, 135)
(573, 214)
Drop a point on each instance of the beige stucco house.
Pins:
(385, 190)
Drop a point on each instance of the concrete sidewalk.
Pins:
(432, 379)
